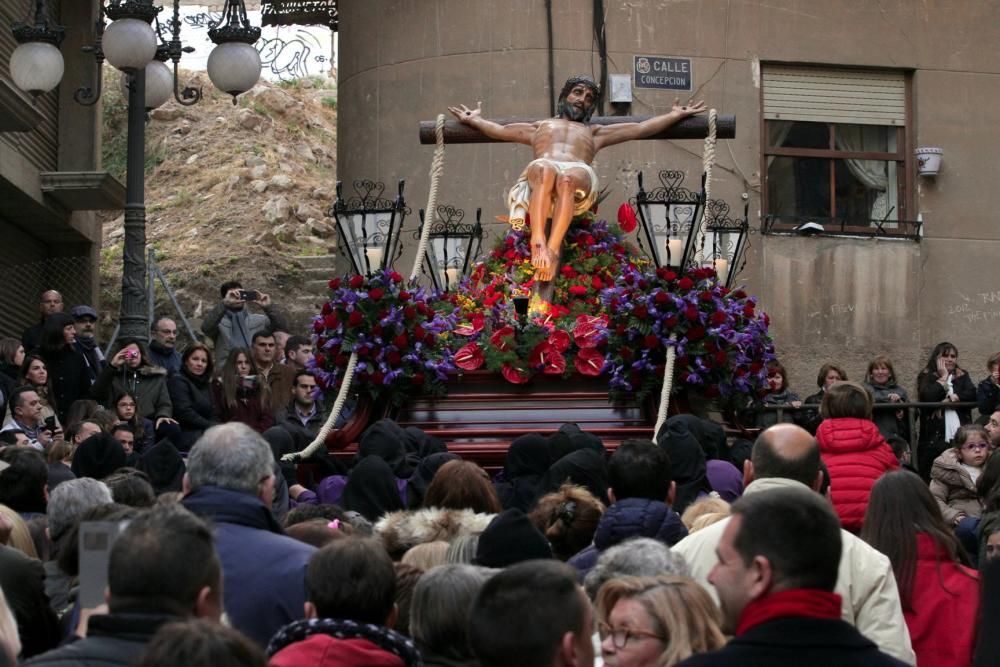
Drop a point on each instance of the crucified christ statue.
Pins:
(560, 182)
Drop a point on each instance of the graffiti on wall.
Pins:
(286, 52)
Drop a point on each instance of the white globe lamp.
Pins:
(234, 67)
(129, 44)
(36, 67)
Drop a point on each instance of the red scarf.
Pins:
(798, 602)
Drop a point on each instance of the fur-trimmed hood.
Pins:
(407, 528)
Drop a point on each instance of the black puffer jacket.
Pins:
(147, 383)
(193, 407)
(69, 378)
(114, 639)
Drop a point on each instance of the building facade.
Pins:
(831, 100)
(50, 177)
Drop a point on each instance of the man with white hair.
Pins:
(230, 480)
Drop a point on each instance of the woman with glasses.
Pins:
(655, 621)
(941, 381)
(939, 593)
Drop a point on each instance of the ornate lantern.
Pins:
(369, 225)
(670, 215)
(452, 246)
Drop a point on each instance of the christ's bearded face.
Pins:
(578, 104)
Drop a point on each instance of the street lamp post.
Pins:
(131, 44)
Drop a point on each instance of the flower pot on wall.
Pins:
(928, 160)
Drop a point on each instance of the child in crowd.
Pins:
(955, 472)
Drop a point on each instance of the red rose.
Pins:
(691, 312)
(626, 353)
(640, 312)
(378, 377)
(739, 294)
(670, 321)
(711, 391)
(626, 218)
(320, 360)
(696, 333)
(718, 317)
(363, 352)
(596, 283)
(417, 379)
(393, 357)
(514, 375)
(589, 362)
(355, 318)
(418, 332)
(469, 357)
(401, 341)
(577, 290)
(568, 272)
(651, 341)
(404, 296)
(685, 283)
(409, 313)
(721, 357)
(705, 296)
(356, 282)
(559, 340)
(756, 367)
(509, 241)
(748, 310)
(664, 273)
(395, 277)
(377, 330)
(318, 326)
(334, 284)
(341, 360)
(376, 293)
(326, 309)
(498, 339)
(661, 298)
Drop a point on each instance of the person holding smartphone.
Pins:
(941, 381)
(231, 324)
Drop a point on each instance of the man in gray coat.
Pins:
(230, 324)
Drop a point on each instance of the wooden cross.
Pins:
(693, 127)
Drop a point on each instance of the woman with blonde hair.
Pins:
(656, 621)
(20, 536)
(568, 518)
(704, 513)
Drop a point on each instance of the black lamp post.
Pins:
(132, 45)
(452, 246)
(369, 226)
(670, 215)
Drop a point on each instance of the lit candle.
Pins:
(374, 256)
(451, 277)
(675, 248)
(721, 268)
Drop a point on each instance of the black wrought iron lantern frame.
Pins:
(726, 240)
(369, 225)
(670, 216)
(452, 246)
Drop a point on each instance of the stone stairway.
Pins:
(317, 271)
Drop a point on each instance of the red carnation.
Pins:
(334, 284)
(577, 290)
(626, 218)
(469, 357)
(589, 362)
(355, 318)
(568, 272)
(596, 283)
(356, 282)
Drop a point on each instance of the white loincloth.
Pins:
(520, 193)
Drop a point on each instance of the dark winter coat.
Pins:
(768, 418)
(169, 359)
(194, 408)
(147, 383)
(988, 397)
(263, 570)
(112, 639)
(856, 455)
(885, 419)
(248, 409)
(631, 517)
(816, 642)
(22, 581)
(931, 391)
(69, 378)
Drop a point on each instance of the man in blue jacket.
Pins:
(641, 491)
(230, 480)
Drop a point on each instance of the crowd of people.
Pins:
(815, 543)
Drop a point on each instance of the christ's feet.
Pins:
(549, 271)
(540, 258)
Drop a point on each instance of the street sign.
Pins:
(663, 73)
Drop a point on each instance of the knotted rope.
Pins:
(437, 168)
(707, 162)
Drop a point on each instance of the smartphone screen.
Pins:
(96, 540)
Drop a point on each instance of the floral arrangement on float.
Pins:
(611, 313)
(396, 330)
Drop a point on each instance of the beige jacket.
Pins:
(953, 488)
(865, 582)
